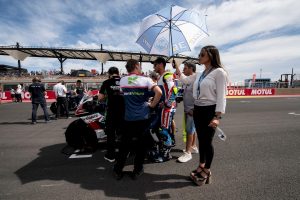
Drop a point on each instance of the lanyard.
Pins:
(203, 75)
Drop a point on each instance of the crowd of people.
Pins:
(140, 109)
(134, 98)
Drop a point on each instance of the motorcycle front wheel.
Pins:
(79, 136)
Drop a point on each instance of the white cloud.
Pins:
(34, 23)
(247, 31)
(273, 57)
(252, 35)
(82, 45)
(237, 20)
(114, 38)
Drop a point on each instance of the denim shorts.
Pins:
(189, 124)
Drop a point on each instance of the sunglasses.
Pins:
(201, 55)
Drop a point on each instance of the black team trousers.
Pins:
(202, 117)
(134, 136)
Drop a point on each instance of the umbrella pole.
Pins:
(170, 28)
(171, 39)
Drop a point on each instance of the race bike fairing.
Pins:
(89, 104)
(86, 132)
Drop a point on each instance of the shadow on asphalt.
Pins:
(12, 123)
(40, 118)
(96, 174)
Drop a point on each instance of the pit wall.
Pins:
(50, 96)
(263, 91)
(247, 92)
(287, 91)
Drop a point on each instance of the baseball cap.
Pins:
(159, 60)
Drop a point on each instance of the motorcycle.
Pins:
(84, 134)
(89, 104)
(72, 105)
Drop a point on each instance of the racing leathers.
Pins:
(167, 111)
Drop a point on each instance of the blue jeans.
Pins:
(189, 124)
(34, 110)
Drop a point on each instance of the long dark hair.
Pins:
(214, 56)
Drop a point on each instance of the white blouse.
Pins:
(212, 90)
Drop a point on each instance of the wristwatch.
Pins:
(217, 117)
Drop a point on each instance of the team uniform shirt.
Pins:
(37, 92)
(79, 90)
(60, 90)
(115, 101)
(136, 91)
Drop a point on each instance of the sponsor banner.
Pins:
(230, 92)
(26, 95)
(251, 92)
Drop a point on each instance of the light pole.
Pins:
(260, 72)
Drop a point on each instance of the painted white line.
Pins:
(101, 168)
(81, 156)
(293, 113)
(245, 101)
(51, 185)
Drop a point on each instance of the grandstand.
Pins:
(81, 73)
(6, 69)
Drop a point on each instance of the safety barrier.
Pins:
(50, 96)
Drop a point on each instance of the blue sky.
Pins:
(261, 37)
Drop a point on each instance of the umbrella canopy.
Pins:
(171, 31)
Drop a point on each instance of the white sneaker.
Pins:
(195, 149)
(185, 157)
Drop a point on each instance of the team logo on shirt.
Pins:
(132, 80)
(115, 87)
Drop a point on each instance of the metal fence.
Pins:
(276, 84)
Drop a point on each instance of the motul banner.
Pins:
(230, 92)
(251, 92)
(26, 95)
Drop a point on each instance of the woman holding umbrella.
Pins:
(209, 92)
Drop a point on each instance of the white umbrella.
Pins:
(171, 31)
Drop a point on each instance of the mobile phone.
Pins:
(173, 64)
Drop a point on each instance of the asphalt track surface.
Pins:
(259, 160)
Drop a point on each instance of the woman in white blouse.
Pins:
(209, 92)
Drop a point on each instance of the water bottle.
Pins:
(220, 134)
(154, 136)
